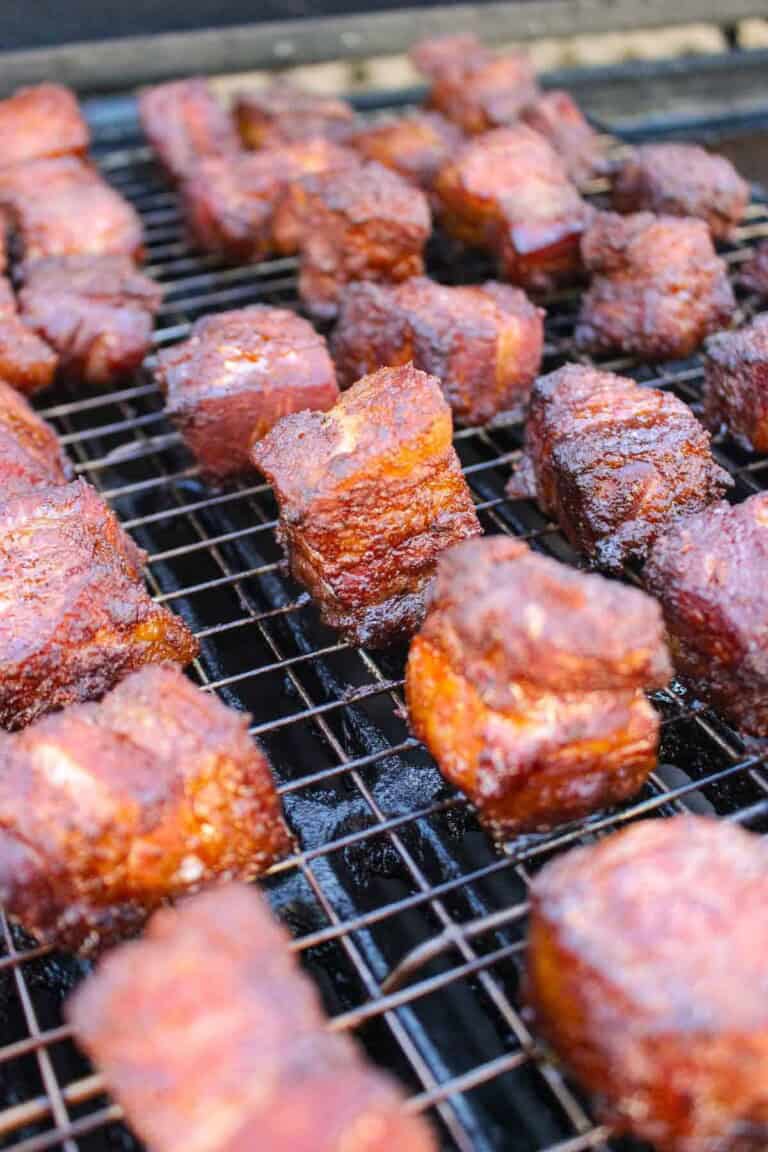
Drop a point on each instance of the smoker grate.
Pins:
(394, 875)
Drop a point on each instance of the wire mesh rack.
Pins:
(410, 920)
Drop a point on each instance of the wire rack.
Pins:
(410, 920)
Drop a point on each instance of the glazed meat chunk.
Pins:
(185, 123)
(484, 93)
(525, 683)
(440, 54)
(30, 455)
(41, 122)
(557, 117)
(78, 617)
(753, 274)
(63, 207)
(237, 375)
(367, 224)
(661, 1019)
(211, 1037)
(483, 343)
(417, 146)
(97, 312)
(108, 810)
(682, 180)
(283, 113)
(509, 192)
(26, 362)
(736, 384)
(614, 463)
(369, 495)
(708, 573)
(657, 287)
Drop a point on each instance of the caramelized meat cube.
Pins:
(525, 684)
(646, 954)
(440, 54)
(185, 123)
(97, 312)
(283, 113)
(485, 93)
(509, 192)
(39, 123)
(754, 271)
(237, 375)
(211, 1037)
(483, 343)
(682, 180)
(614, 463)
(368, 224)
(557, 117)
(63, 207)
(658, 287)
(369, 494)
(416, 146)
(736, 384)
(78, 616)
(26, 361)
(107, 810)
(30, 456)
(708, 572)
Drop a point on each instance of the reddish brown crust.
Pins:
(237, 375)
(439, 54)
(736, 384)
(80, 617)
(484, 343)
(682, 180)
(369, 495)
(487, 92)
(660, 1020)
(557, 117)
(26, 362)
(97, 312)
(283, 113)
(753, 274)
(657, 290)
(41, 122)
(184, 124)
(212, 1039)
(171, 794)
(708, 573)
(30, 454)
(417, 146)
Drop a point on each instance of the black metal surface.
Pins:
(392, 865)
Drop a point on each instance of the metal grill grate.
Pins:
(394, 874)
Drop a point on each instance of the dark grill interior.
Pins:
(389, 858)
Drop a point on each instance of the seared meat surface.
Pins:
(708, 573)
(236, 375)
(483, 343)
(369, 494)
(97, 312)
(416, 146)
(41, 122)
(614, 463)
(485, 92)
(30, 455)
(646, 963)
(364, 224)
(26, 361)
(736, 384)
(284, 113)
(78, 616)
(525, 683)
(753, 274)
(212, 1038)
(657, 290)
(558, 118)
(107, 810)
(682, 180)
(184, 124)
(440, 54)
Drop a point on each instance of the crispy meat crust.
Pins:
(736, 384)
(658, 287)
(708, 572)
(30, 455)
(525, 684)
(484, 343)
(486, 92)
(645, 956)
(682, 180)
(213, 1040)
(613, 463)
(237, 375)
(417, 146)
(41, 122)
(367, 224)
(79, 616)
(26, 362)
(97, 312)
(283, 113)
(107, 810)
(369, 494)
(557, 117)
(753, 274)
(184, 124)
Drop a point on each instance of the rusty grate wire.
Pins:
(410, 920)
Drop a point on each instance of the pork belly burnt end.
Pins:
(416, 146)
(483, 343)
(283, 113)
(439, 54)
(80, 617)
(367, 224)
(107, 810)
(26, 362)
(613, 463)
(708, 572)
(485, 93)
(211, 1037)
(237, 375)
(682, 180)
(369, 495)
(30, 454)
(97, 312)
(41, 122)
(557, 117)
(657, 290)
(184, 124)
(736, 384)
(525, 684)
(659, 1019)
